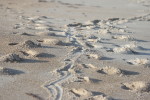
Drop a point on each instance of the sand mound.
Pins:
(45, 33)
(103, 31)
(100, 97)
(41, 27)
(138, 61)
(95, 56)
(125, 48)
(30, 44)
(84, 79)
(110, 70)
(51, 41)
(10, 58)
(119, 49)
(122, 37)
(32, 53)
(88, 44)
(61, 43)
(138, 86)
(76, 49)
(26, 34)
(88, 66)
(42, 0)
(80, 92)
(92, 40)
(116, 30)
(8, 71)
(122, 21)
(88, 80)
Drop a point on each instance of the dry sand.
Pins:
(74, 49)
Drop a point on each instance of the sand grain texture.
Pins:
(74, 49)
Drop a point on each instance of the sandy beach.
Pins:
(74, 49)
